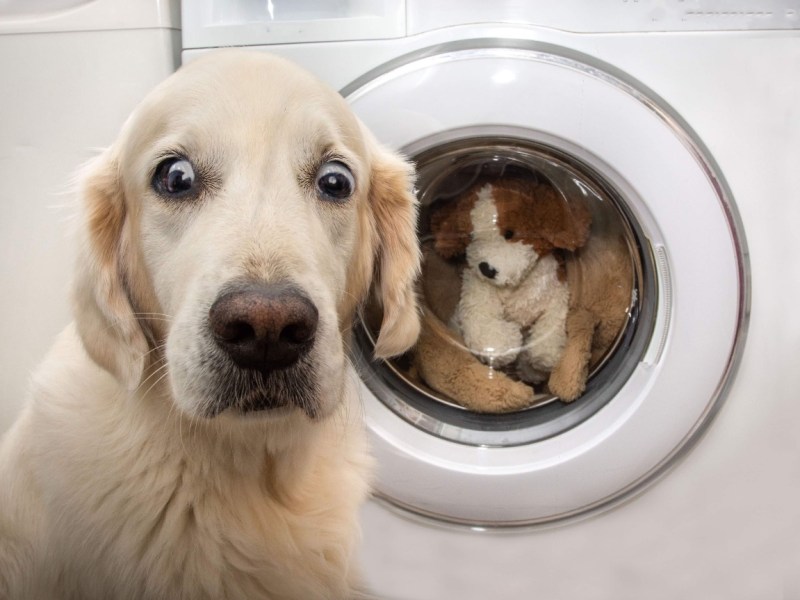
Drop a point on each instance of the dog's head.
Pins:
(504, 227)
(231, 232)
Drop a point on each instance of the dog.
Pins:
(515, 296)
(196, 432)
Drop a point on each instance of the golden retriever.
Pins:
(196, 432)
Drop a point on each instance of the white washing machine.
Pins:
(71, 72)
(676, 474)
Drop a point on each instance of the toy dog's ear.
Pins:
(451, 226)
(563, 222)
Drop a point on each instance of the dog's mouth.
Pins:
(240, 391)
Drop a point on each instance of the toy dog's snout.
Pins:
(487, 270)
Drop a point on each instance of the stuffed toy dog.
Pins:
(514, 293)
(527, 306)
(442, 360)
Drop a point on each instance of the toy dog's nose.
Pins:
(487, 270)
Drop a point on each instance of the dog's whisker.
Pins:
(161, 373)
(155, 383)
(158, 348)
(175, 413)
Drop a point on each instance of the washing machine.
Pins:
(71, 72)
(675, 125)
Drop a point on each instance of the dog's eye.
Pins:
(174, 177)
(508, 234)
(335, 181)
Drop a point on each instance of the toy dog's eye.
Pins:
(508, 234)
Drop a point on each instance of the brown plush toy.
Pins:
(442, 360)
(539, 298)
(600, 279)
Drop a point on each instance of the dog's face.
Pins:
(493, 252)
(506, 226)
(232, 231)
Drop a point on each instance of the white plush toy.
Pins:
(514, 298)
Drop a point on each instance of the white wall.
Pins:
(65, 95)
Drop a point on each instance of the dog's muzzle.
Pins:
(264, 327)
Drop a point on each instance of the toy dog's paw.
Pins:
(568, 377)
(498, 394)
(567, 386)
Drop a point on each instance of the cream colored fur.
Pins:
(113, 483)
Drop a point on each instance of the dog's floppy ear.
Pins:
(394, 213)
(564, 223)
(451, 225)
(103, 314)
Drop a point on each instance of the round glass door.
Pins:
(558, 244)
(569, 324)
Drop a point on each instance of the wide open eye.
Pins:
(335, 182)
(175, 178)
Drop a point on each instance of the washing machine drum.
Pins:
(583, 287)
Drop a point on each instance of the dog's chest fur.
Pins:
(166, 505)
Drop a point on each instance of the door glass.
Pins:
(531, 288)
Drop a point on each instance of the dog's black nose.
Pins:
(487, 270)
(264, 326)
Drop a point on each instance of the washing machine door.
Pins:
(476, 118)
